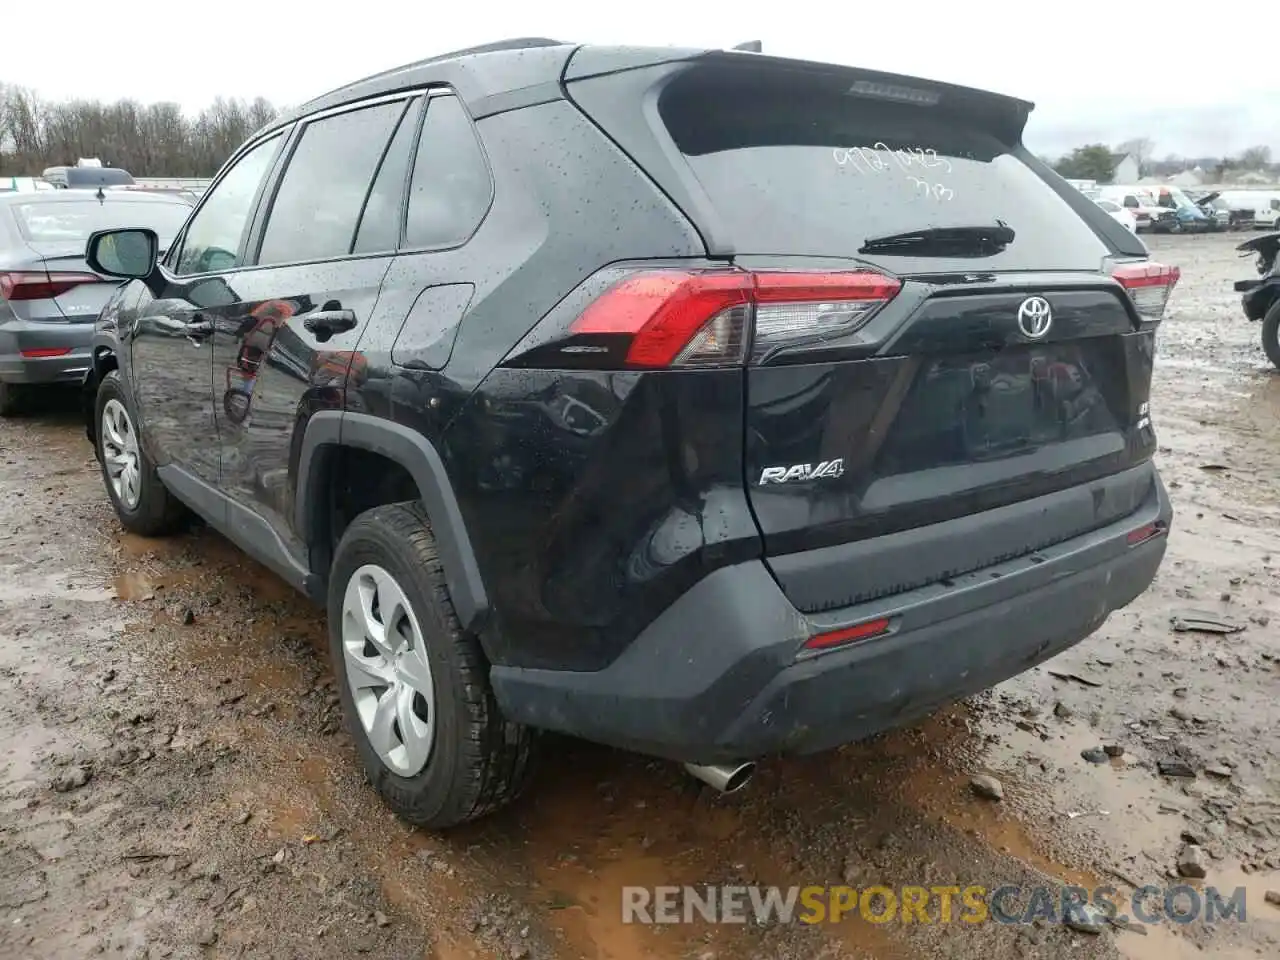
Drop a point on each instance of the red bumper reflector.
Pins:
(39, 352)
(837, 638)
(1144, 533)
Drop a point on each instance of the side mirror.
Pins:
(128, 254)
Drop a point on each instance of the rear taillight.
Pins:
(40, 285)
(673, 318)
(690, 318)
(1148, 285)
(793, 308)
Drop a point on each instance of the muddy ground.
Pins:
(174, 781)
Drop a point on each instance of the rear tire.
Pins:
(449, 755)
(143, 505)
(1271, 334)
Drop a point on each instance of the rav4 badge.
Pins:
(802, 471)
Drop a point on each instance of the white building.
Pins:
(1127, 169)
(1188, 178)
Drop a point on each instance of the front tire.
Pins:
(1271, 334)
(140, 499)
(414, 685)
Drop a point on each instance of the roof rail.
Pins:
(521, 43)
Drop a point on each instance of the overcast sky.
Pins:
(1096, 71)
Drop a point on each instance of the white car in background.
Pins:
(1119, 214)
(1265, 205)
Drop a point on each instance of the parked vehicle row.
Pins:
(1259, 209)
(1169, 209)
(1148, 215)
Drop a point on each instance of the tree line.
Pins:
(159, 140)
(148, 140)
(1097, 161)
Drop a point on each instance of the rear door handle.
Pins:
(325, 323)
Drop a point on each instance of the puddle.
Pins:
(21, 748)
(1118, 800)
(18, 585)
(601, 821)
(134, 547)
(1225, 939)
(134, 585)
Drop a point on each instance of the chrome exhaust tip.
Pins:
(727, 778)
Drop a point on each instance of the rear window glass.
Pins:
(795, 167)
(72, 221)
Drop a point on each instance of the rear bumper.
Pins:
(716, 677)
(17, 336)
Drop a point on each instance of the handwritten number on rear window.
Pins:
(910, 161)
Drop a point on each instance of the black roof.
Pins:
(509, 74)
(476, 73)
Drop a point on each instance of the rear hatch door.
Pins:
(987, 376)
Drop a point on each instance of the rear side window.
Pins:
(318, 203)
(450, 191)
(380, 222)
(794, 164)
(212, 240)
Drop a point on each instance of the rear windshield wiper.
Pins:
(981, 240)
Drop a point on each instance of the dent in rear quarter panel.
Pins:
(566, 480)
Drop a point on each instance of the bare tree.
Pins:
(1256, 158)
(147, 140)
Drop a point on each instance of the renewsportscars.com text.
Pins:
(935, 904)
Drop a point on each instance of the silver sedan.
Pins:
(49, 298)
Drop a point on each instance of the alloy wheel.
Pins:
(120, 453)
(388, 671)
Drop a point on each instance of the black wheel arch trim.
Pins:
(329, 430)
(100, 348)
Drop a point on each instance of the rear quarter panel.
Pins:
(563, 477)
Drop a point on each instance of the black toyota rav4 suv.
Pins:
(702, 403)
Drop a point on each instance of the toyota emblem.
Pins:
(1035, 317)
